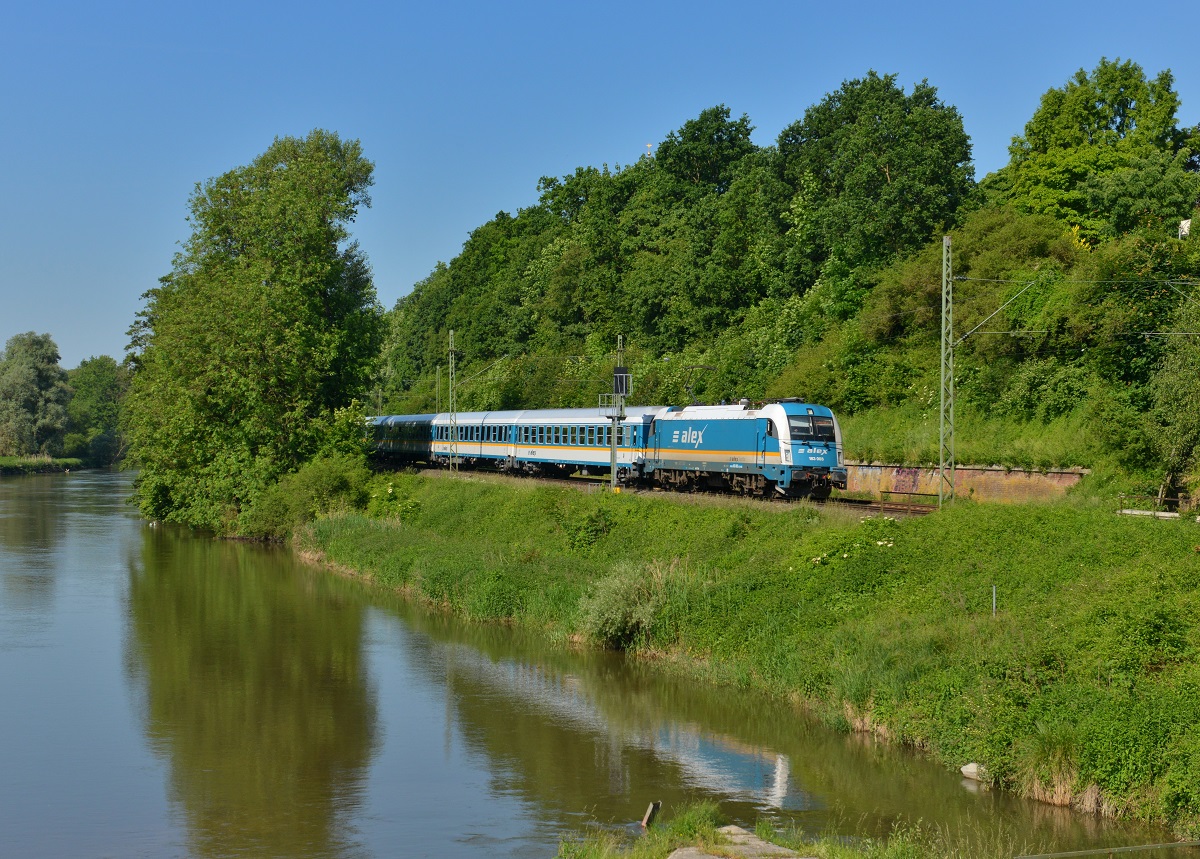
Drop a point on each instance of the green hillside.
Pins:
(812, 268)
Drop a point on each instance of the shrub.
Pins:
(326, 484)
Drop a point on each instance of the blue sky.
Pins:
(112, 112)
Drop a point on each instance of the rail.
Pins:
(911, 505)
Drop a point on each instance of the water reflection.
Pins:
(255, 691)
(591, 733)
(29, 535)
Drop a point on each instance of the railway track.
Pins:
(901, 508)
(888, 507)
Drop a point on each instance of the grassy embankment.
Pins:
(36, 464)
(1084, 688)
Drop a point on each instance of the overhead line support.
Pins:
(946, 423)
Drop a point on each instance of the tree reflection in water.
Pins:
(255, 691)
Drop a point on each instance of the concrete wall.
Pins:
(994, 484)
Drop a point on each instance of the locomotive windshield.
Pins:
(811, 428)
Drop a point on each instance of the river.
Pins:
(166, 694)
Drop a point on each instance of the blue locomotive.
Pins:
(785, 448)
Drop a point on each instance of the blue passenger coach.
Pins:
(533, 441)
(785, 448)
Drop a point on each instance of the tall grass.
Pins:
(36, 463)
(910, 435)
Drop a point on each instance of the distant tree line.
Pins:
(45, 410)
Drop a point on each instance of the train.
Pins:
(783, 448)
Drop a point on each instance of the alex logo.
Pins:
(689, 436)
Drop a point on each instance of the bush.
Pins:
(322, 486)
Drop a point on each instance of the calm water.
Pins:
(163, 694)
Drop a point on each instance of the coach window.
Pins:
(556, 429)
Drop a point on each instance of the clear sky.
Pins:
(110, 113)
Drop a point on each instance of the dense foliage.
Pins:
(94, 433)
(265, 328)
(712, 239)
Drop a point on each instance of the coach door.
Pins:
(764, 433)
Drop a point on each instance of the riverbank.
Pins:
(1081, 689)
(10, 465)
(695, 831)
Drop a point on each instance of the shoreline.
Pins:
(893, 618)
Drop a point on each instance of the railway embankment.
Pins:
(1078, 685)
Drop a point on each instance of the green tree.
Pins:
(1176, 389)
(1104, 153)
(93, 428)
(705, 149)
(878, 172)
(33, 396)
(265, 327)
